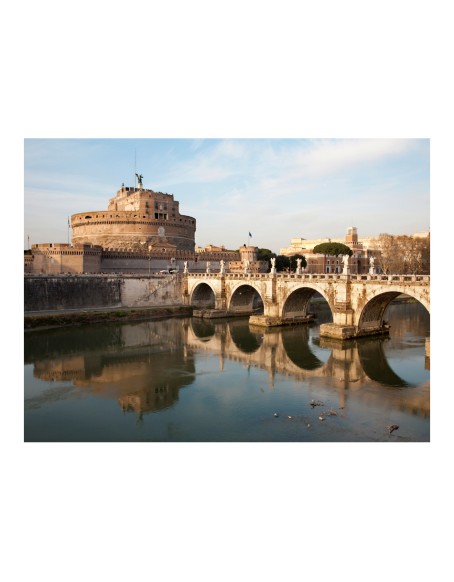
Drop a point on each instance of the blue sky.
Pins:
(274, 188)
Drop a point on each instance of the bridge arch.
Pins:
(245, 298)
(375, 364)
(371, 316)
(296, 301)
(297, 348)
(247, 341)
(203, 296)
(202, 329)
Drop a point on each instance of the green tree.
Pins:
(282, 263)
(265, 255)
(332, 248)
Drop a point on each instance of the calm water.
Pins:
(187, 380)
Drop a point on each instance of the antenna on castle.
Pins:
(135, 168)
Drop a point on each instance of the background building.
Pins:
(363, 250)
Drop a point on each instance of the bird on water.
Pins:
(392, 427)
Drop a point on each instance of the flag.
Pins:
(250, 234)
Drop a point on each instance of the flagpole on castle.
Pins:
(69, 226)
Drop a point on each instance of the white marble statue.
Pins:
(346, 270)
(222, 263)
(185, 266)
(372, 266)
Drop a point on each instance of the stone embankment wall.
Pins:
(60, 292)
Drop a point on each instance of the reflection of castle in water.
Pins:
(144, 365)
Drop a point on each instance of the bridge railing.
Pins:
(392, 278)
(317, 277)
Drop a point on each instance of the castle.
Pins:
(141, 232)
(136, 220)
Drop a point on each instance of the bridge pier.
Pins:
(343, 326)
(427, 354)
(211, 313)
(276, 321)
(343, 332)
(219, 310)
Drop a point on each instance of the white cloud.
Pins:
(276, 189)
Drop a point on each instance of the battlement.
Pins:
(66, 249)
(135, 217)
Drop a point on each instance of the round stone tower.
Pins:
(248, 254)
(137, 219)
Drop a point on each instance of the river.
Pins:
(192, 380)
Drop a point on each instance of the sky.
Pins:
(275, 189)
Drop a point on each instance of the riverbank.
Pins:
(51, 319)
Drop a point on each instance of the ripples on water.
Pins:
(189, 380)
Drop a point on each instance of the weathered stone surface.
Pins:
(136, 219)
(47, 293)
(210, 313)
(335, 331)
(357, 302)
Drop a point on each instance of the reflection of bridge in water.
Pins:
(143, 365)
(349, 365)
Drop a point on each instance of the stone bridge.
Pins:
(357, 302)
